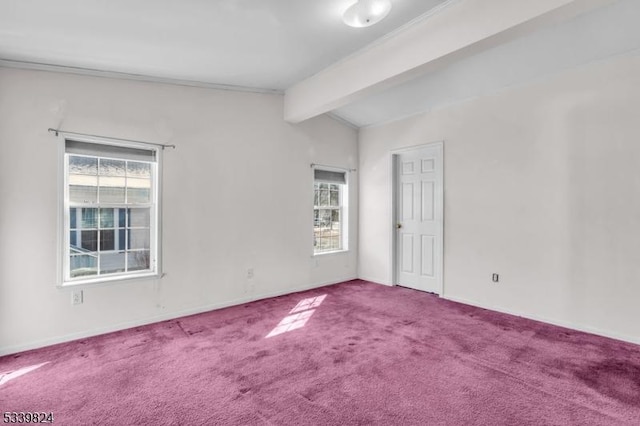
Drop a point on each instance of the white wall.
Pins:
(237, 194)
(542, 186)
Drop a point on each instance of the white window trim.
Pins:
(344, 207)
(63, 218)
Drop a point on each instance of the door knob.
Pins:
(398, 226)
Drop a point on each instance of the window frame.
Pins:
(64, 211)
(343, 208)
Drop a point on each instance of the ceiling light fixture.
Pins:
(364, 13)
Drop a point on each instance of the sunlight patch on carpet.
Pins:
(298, 316)
(308, 303)
(10, 375)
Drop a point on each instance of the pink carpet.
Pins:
(354, 353)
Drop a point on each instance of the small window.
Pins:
(329, 211)
(110, 212)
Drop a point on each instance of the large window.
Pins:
(110, 212)
(329, 211)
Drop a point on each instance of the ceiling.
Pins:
(590, 37)
(263, 44)
(272, 45)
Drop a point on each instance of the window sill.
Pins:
(325, 253)
(93, 282)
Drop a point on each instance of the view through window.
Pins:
(328, 211)
(110, 211)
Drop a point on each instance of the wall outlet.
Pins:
(76, 297)
(495, 278)
(250, 273)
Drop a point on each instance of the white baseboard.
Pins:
(322, 284)
(211, 307)
(8, 350)
(374, 281)
(565, 324)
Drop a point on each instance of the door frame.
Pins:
(393, 160)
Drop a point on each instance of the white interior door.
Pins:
(419, 218)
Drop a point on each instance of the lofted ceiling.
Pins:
(290, 46)
(586, 38)
(262, 44)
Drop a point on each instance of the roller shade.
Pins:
(327, 176)
(110, 151)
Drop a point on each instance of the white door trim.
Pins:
(393, 154)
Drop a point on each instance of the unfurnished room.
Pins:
(320, 212)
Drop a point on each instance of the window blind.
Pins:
(327, 176)
(110, 151)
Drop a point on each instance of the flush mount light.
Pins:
(364, 13)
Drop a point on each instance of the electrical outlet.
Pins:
(495, 278)
(250, 273)
(76, 297)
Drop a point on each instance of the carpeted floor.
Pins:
(353, 353)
